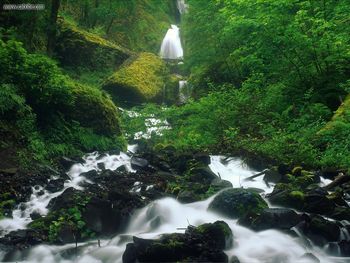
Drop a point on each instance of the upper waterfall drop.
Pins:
(181, 6)
(171, 47)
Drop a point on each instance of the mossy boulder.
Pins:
(277, 218)
(77, 47)
(142, 79)
(204, 243)
(94, 109)
(236, 202)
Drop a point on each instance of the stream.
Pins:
(171, 215)
(165, 215)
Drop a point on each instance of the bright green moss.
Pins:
(77, 47)
(141, 80)
(94, 109)
(297, 195)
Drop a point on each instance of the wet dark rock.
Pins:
(283, 169)
(275, 218)
(187, 196)
(341, 213)
(319, 230)
(16, 243)
(91, 175)
(114, 152)
(218, 184)
(138, 163)
(344, 248)
(272, 176)
(101, 166)
(55, 185)
(318, 203)
(236, 202)
(202, 158)
(202, 175)
(66, 234)
(310, 258)
(164, 166)
(66, 199)
(234, 259)
(130, 253)
(199, 244)
(181, 162)
(121, 169)
(328, 229)
(67, 163)
(35, 215)
(102, 217)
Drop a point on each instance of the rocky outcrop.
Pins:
(271, 218)
(77, 47)
(204, 243)
(142, 79)
(237, 202)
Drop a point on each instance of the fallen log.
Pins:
(255, 175)
(338, 180)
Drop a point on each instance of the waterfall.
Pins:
(171, 47)
(181, 6)
(183, 91)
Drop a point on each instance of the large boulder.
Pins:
(103, 115)
(277, 218)
(14, 245)
(204, 243)
(236, 202)
(77, 47)
(142, 79)
(101, 217)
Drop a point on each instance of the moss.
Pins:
(140, 80)
(6, 205)
(342, 114)
(297, 195)
(237, 202)
(77, 47)
(297, 170)
(205, 228)
(94, 109)
(343, 111)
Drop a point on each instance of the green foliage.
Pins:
(303, 45)
(77, 47)
(45, 114)
(70, 217)
(137, 24)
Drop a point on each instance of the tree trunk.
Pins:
(51, 33)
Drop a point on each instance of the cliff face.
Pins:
(138, 25)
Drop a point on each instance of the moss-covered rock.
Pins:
(76, 47)
(277, 218)
(237, 202)
(204, 243)
(142, 79)
(94, 109)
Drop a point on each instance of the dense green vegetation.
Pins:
(45, 114)
(267, 75)
(53, 63)
(268, 78)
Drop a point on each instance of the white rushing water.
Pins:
(182, 6)
(40, 197)
(183, 91)
(171, 47)
(168, 216)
